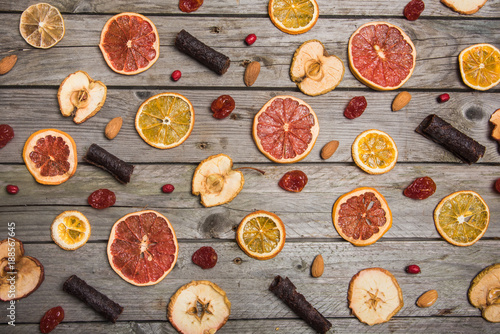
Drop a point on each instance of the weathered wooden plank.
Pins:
(436, 61)
(444, 268)
(246, 7)
(469, 112)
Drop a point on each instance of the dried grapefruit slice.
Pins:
(130, 43)
(374, 151)
(70, 230)
(293, 16)
(480, 66)
(42, 25)
(285, 129)
(381, 55)
(142, 247)
(50, 156)
(362, 216)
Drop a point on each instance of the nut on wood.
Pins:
(113, 127)
(427, 299)
(401, 100)
(7, 63)
(329, 148)
(318, 266)
(251, 73)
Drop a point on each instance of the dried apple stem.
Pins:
(258, 170)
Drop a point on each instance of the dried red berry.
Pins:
(102, 199)
(222, 106)
(443, 98)
(205, 257)
(51, 319)
(176, 75)
(250, 39)
(413, 269)
(421, 188)
(11, 189)
(168, 188)
(6, 134)
(497, 185)
(413, 9)
(188, 6)
(356, 107)
(293, 181)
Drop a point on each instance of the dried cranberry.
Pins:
(443, 98)
(11, 189)
(421, 188)
(51, 319)
(413, 269)
(188, 6)
(356, 107)
(205, 257)
(250, 39)
(294, 181)
(6, 134)
(168, 188)
(176, 75)
(102, 199)
(413, 9)
(222, 106)
(497, 185)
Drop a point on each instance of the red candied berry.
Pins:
(205, 257)
(102, 199)
(497, 185)
(443, 98)
(168, 188)
(6, 134)
(51, 319)
(413, 9)
(11, 189)
(413, 269)
(176, 75)
(250, 39)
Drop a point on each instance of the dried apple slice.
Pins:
(78, 91)
(216, 182)
(484, 292)
(315, 71)
(464, 6)
(374, 296)
(199, 307)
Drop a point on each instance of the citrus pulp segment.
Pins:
(42, 25)
(462, 217)
(480, 66)
(165, 120)
(129, 43)
(50, 156)
(261, 235)
(142, 247)
(285, 129)
(70, 230)
(362, 216)
(374, 151)
(293, 16)
(381, 55)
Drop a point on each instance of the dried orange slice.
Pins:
(462, 218)
(293, 16)
(381, 55)
(130, 43)
(480, 66)
(261, 235)
(70, 230)
(165, 120)
(285, 129)
(142, 247)
(374, 151)
(42, 25)
(362, 216)
(50, 156)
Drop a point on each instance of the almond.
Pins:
(318, 266)
(251, 73)
(328, 150)
(427, 299)
(401, 100)
(113, 127)
(7, 63)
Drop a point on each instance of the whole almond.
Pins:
(401, 100)
(251, 73)
(7, 63)
(113, 127)
(427, 299)
(328, 150)
(318, 266)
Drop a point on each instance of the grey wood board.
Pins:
(436, 65)
(468, 112)
(306, 214)
(447, 269)
(239, 7)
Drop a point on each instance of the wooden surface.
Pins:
(28, 103)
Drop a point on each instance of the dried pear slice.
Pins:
(216, 182)
(315, 71)
(199, 307)
(374, 296)
(78, 91)
(484, 292)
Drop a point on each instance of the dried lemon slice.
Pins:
(42, 25)
(375, 152)
(70, 230)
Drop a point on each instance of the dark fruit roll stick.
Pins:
(90, 296)
(196, 49)
(101, 158)
(284, 289)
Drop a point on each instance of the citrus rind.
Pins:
(70, 230)
(367, 149)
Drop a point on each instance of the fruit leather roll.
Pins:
(438, 130)
(101, 158)
(90, 296)
(284, 289)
